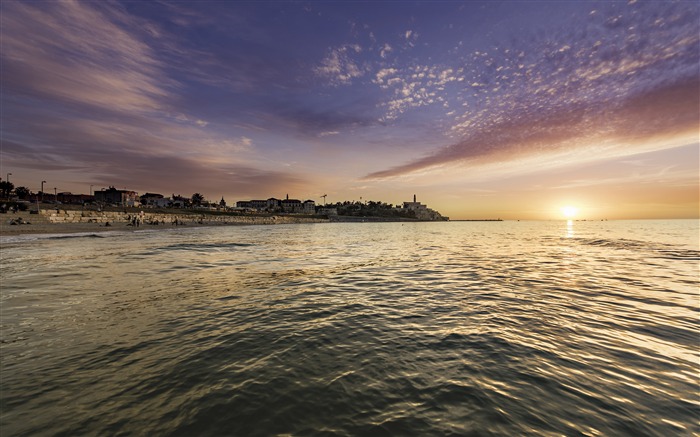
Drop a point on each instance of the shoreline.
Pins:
(7, 230)
(43, 227)
(75, 221)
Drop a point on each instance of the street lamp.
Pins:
(42, 190)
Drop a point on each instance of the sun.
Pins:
(569, 211)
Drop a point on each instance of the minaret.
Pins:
(414, 198)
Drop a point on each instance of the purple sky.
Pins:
(507, 109)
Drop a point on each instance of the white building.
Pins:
(422, 212)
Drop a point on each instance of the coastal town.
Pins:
(110, 205)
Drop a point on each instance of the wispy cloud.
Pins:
(133, 156)
(328, 133)
(90, 92)
(82, 55)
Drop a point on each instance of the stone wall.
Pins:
(78, 216)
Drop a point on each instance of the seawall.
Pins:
(78, 216)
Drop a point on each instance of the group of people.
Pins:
(12, 208)
(19, 221)
(134, 221)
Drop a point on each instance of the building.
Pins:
(74, 199)
(154, 200)
(273, 204)
(292, 205)
(179, 201)
(309, 207)
(287, 205)
(422, 212)
(260, 205)
(112, 196)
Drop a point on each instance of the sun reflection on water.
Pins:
(569, 229)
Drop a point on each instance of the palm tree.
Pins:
(197, 199)
(6, 188)
(22, 192)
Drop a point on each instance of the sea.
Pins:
(513, 328)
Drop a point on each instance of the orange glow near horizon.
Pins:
(569, 211)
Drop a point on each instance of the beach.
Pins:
(38, 224)
(70, 228)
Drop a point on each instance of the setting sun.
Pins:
(569, 211)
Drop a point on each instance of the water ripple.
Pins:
(343, 330)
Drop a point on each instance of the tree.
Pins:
(22, 192)
(6, 188)
(197, 199)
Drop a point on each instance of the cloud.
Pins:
(383, 76)
(610, 86)
(385, 50)
(414, 87)
(338, 67)
(410, 36)
(178, 174)
(318, 121)
(651, 120)
(88, 90)
(156, 158)
(81, 55)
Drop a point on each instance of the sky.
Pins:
(495, 109)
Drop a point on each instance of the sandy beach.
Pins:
(68, 228)
(43, 227)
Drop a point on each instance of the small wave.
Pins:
(683, 255)
(622, 243)
(202, 246)
(79, 235)
(34, 237)
(664, 250)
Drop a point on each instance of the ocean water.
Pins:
(353, 329)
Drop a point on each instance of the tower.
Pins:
(414, 198)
